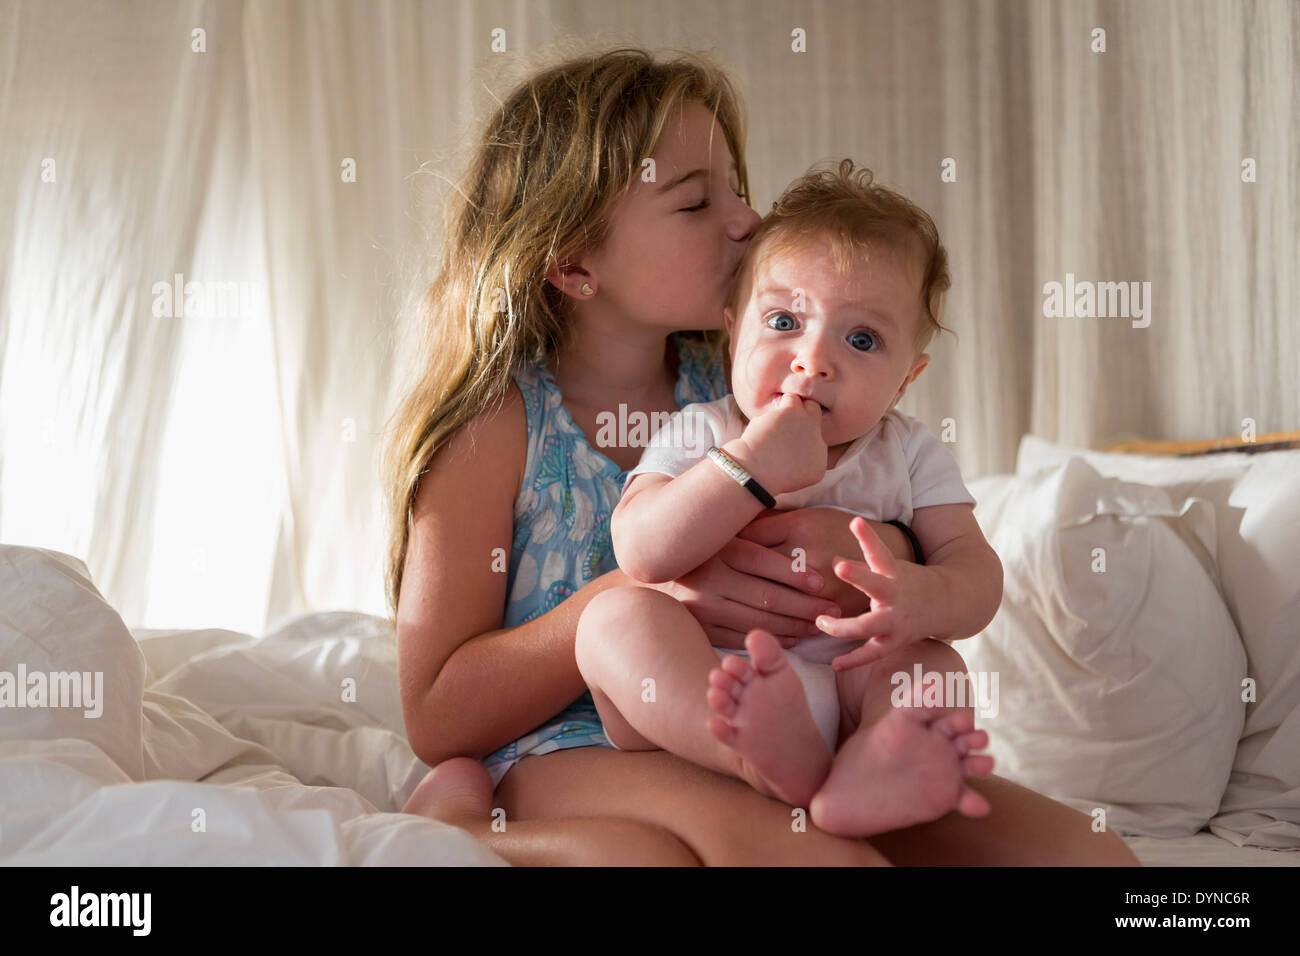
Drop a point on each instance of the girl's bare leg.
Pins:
(724, 821)
(1024, 828)
(459, 792)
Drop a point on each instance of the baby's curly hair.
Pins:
(843, 205)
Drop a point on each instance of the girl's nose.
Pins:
(744, 219)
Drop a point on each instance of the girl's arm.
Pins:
(468, 686)
(664, 527)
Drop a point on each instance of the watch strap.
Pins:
(741, 476)
(911, 536)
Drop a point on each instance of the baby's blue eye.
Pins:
(788, 322)
(859, 341)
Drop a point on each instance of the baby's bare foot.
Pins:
(907, 768)
(761, 713)
(457, 791)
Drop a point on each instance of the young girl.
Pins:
(568, 271)
(836, 299)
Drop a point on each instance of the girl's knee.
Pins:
(761, 831)
(793, 843)
(640, 844)
(1111, 850)
(1094, 848)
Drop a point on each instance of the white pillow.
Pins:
(1256, 499)
(54, 619)
(1166, 471)
(1117, 689)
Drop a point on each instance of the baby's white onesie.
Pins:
(884, 475)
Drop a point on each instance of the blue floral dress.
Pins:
(561, 526)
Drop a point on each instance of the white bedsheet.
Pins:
(1206, 849)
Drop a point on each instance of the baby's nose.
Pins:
(812, 362)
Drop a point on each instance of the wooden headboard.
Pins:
(1273, 441)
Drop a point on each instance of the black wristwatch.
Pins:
(916, 545)
(747, 481)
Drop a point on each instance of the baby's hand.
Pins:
(785, 448)
(900, 593)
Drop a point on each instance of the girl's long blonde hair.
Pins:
(553, 160)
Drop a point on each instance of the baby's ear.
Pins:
(918, 367)
(728, 318)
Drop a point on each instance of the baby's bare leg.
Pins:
(761, 711)
(900, 765)
(647, 662)
(867, 692)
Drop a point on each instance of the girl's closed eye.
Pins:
(704, 203)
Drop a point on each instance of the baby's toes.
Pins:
(971, 804)
(723, 681)
(928, 717)
(764, 651)
(723, 731)
(721, 702)
(967, 743)
(954, 725)
(978, 765)
(738, 668)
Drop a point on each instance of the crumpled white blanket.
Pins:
(212, 748)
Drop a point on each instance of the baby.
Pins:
(832, 307)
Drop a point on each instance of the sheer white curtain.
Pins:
(1138, 175)
(216, 465)
(147, 444)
